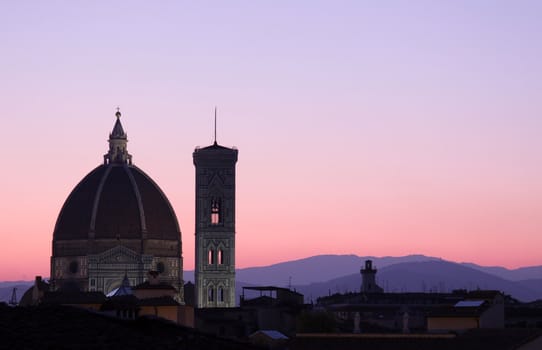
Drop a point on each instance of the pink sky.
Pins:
(362, 128)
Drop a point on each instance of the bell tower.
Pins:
(215, 225)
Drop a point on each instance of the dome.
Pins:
(117, 201)
(116, 224)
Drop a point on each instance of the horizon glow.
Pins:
(410, 127)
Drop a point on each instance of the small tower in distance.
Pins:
(368, 279)
(215, 225)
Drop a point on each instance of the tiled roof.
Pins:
(161, 301)
(271, 334)
(117, 201)
(64, 298)
(147, 285)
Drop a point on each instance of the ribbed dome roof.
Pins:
(117, 200)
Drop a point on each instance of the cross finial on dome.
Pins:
(118, 112)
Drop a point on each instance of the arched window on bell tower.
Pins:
(216, 211)
(210, 294)
(221, 294)
(211, 257)
(220, 257)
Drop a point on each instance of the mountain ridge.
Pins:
(320, 275)
(428, 277)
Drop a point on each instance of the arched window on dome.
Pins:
(216, 217)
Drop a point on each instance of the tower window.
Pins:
(221, 294)
(210, 294)
(211, 257)
(220, 257)
(74, 267)
(215, 211)
(160, 267)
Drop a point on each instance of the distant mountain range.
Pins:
(521, 274)
(319, 268)
(428, 276)
(327, 274)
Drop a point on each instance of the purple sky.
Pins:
(372, 128)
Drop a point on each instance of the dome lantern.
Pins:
(118, 141)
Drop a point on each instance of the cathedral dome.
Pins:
(116, 224)
(117, 201)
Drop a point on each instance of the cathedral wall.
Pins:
(162, 247)
(101, 245)
(69, 272)
(73, 247)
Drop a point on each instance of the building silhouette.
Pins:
(116, 223)
(215, 226)
(117, 235)
(368, 279)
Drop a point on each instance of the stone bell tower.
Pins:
(215, 225)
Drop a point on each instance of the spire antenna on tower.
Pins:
(215, 126)
(13, 300)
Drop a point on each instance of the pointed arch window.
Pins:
(221, 294)
(211, 257)
(216, 211)
(210, 294)
(220, 257)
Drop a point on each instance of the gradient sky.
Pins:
(363, 127)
